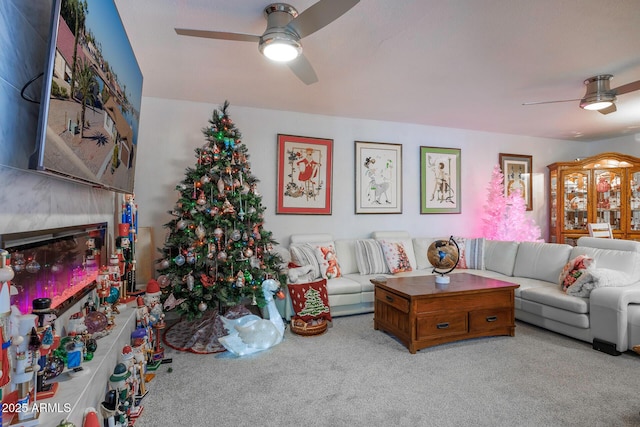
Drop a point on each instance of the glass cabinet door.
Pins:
(553, 196)
(634, 200)
(575, 199)
(608, 196)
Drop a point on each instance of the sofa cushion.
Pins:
(500, 256)
(303, 255)
(420, 247)
(553, 296)
(401, 237)
(343, 285)
(396, 255)
(370, 258)
(617, 244)
(310, 300)
(346, 250)
(543, 261)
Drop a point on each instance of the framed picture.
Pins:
(378, 178)
(304, 175)
(439, 180)
(516, 169)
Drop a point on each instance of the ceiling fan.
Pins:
(285, 27)
(599, 95)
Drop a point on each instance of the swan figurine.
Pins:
(250, 334)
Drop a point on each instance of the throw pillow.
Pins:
(462, 250)
(310, 300)
(325, 254)
(396, 256)
(370, 258)
(474, 253)
(573, 270)
(302, 255)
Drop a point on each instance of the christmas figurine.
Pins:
(50, 366)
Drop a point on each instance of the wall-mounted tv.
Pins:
(92, 91)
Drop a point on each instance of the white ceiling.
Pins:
(455, 63)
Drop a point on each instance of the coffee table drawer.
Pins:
(441, 325)
(484, 320)
(393, 300)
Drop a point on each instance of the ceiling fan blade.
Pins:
(612, 108)
(550, 102)
(302, 68)
(220, 35)
(629, 87)
(319, 15)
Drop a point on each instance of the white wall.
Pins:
(171, 130)
(629, 144)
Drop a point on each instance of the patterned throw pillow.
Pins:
(396, 256)
(462, 251)
(303, 255)
(325, 255)
(573, 270)
(310, 300)
(471, 252)
(370, 258)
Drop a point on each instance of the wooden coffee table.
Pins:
(422, 314)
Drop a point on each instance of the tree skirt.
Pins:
(201, 335)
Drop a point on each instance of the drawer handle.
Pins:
(390, 299)
(492, 318)
(444, 325)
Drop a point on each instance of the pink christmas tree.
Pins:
(505, 217)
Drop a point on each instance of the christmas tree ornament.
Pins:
(205, 179)
(181, 224)
(202, 306)
(236, 235)
(191, 257)
(248, 252)
(164, 264)
(201, 232)
(201, 199)
(222, 256)
(179, 260)
(189, 280)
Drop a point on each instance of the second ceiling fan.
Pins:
(285, 28)
(599, 95)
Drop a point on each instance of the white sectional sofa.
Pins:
(609, 317)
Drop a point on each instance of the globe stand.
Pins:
(443, 280)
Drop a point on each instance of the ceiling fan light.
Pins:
(595, 106)
(280, 49)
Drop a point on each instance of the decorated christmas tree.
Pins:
(505, 217)
(217, 253)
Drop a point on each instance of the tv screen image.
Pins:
(92, 94)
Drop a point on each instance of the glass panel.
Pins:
(608, 196)
(575, 200)
(635, 201)
(554, 200)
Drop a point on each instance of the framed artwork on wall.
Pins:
(304, 175)
(378, 178)
(440, 180)
(516, 169)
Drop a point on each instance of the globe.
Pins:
(443, 256)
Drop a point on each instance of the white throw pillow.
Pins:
(370, 258)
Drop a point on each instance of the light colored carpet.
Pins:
(356, 376)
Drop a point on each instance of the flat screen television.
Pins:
(91, 96)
